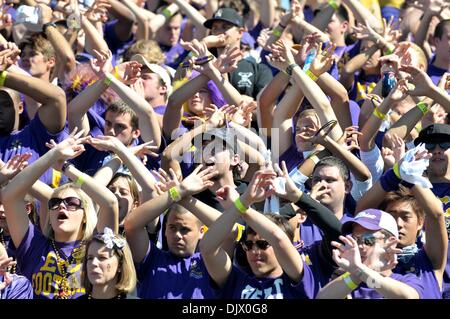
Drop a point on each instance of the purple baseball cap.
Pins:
(372, 219)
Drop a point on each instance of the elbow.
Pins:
(205, 247)
(69, 63)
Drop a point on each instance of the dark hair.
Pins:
(439, 31)
(280, 221)
(121, 108)
(334, 162)
(403, 195)
(342, 14)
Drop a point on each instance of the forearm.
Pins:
(105, 174)
(249, 137)
(308, 29)
(372, 198)
(94, 39)
(321, 216)
(205, 213)
(192, 13)
(406, 123)
(355, 64)
(267, 13)
(22, 182)
(158, 21)
(229, 92)
(318, 100)
(322, 18)
(64, 53)
(335, 289)
(359, 170)
(372, 126)
(362, 13)
(137, 168)
(421, 35)
(386, 286)
(441, 97)
(80, 105)
(148, 121)
(339, 98)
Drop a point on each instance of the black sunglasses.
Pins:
(432, 146)
(366, 239)
(71, 203)
(260, 244)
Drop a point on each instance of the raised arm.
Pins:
(362, 13)
(125, 19)
(436, 232)
(14, 193)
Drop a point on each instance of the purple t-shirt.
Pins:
(344, 53)
(116, 45)
(420, 265)
(162, 275)
(241, 285)
(292, 157)
(310, 233)
(174, 55)
(435, 73)
(38, 263)
(442, 191)
(364, 292)
(31, 138)
(20, 288)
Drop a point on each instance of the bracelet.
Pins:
(79, 181)
(388, 51)
(377, 113)
(204, 59)
(64, 166)
(348, 281)
(423, 107)
(327, 127)
(290, 68)
(240, 206)
(107, 81)
(311, 75)
(46, 25)
(396, 170)
(166, 12)
(333, 4)
(3, 77)
(282, 26)
(174, 194)
(276, 32)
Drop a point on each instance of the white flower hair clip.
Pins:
(110, 239)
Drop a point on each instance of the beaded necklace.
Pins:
(119, 296)
(77, 253)
(11, 269)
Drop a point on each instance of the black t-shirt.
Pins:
(250, 77)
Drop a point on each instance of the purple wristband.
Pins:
(389, 181)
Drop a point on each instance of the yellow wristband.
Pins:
(240, 206)
(166, 12)
(378, 114)
(276, 32)
(311, 75)
(3, 78)
(240, 229)
(173, 192)
(80, 181)
(423, 107)
(348, 281)
(116, 73)
(396, 169)
(334, 5)
(107, 81)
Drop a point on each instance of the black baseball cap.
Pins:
(434, 133)
(225, 14)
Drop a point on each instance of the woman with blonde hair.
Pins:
(109, 266)
(52, 258)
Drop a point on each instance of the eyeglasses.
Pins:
(260, 244)
(432, 146)
(71, 203)
(367, 239)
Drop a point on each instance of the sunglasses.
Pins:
(432, 146)
(71, 203)
(366, 239)
(260, 244)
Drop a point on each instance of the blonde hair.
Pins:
(126, 272)
(90, 214)
(149, 49)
